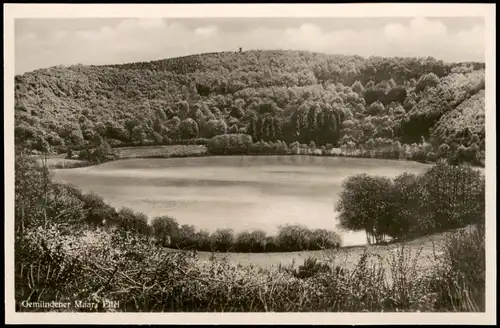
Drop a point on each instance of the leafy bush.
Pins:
(222, 240)
(323, 239)
(203, 241)
(230, 144)
(134, 222)
(166, 230)
(98, 212)
(311, 267)
(293, 237)
(296, 237)
(460, 279)
(254, 241)
(186, 238)
(451, 197)
(102, 152)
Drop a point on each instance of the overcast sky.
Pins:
(43, 43)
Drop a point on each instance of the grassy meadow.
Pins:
(161, 151)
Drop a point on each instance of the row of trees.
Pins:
(242, 144)
(167, 232)
(442, 198)
(422, 152)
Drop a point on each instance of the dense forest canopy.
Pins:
(270, 95)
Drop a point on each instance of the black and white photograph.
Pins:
(189, 160)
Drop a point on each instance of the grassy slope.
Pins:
(56, 161)
(161, 151)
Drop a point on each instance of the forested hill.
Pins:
(270, 95)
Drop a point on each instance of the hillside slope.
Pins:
(270, 95)
(466, 123)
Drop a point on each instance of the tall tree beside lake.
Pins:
(364, 200)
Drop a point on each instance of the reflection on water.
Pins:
(238, 192)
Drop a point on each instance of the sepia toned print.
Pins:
(250, 164)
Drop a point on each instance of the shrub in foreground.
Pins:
(293, 237)
(460, 280)
(135, 222)
(203, 241)
(222, 240)
(186, 238)
(254, 241)
(101, 265)
(98, 212)
(323, 239)
(165, 230)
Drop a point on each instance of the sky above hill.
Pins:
(41, 43)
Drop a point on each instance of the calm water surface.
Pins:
(238, 192)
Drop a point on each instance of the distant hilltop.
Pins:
(311, 59)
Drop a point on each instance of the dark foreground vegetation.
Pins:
(418, 108)
(70, 247)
